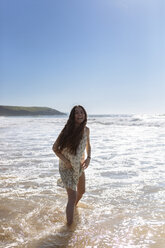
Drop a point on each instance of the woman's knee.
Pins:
(81, 184)
(81, 191)
(72, 200)
(71, 196)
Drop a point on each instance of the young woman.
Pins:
(69, 147)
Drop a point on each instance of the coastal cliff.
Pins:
(27, 111)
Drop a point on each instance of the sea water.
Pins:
(124, 203)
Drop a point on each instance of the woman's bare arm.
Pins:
(88, 150)
(58, 153)
(88, 146)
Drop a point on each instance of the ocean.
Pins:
(124, 203)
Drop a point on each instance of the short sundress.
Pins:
(70, 177)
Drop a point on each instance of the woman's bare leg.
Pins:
(70, 205)
(80, 188)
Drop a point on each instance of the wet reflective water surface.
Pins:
(124, 203)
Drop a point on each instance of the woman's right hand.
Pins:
(68, 164)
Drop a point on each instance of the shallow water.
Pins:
(124, 204)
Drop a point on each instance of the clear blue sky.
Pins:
(107, 55)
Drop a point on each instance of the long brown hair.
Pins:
(71, 136)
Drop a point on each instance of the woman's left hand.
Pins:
(85, 164)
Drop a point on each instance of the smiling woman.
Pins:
(69, 147)
(80, 115)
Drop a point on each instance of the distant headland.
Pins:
(27, 111)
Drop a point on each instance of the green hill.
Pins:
(27, 111)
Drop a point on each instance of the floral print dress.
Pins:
(70, 177)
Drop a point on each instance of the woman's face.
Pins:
(79, 115)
